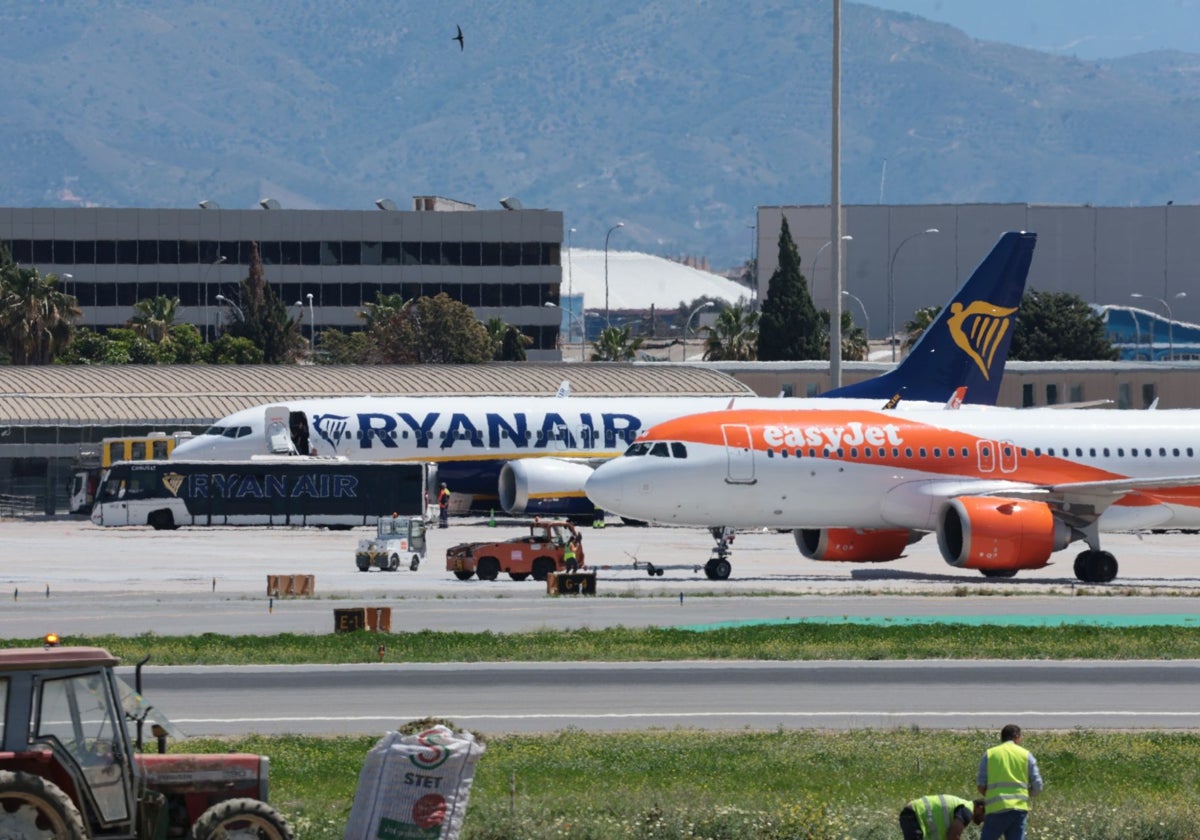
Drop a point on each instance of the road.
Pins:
(536, 697)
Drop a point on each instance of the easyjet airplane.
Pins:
(533, 454)
(1002, 489)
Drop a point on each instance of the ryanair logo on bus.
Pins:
(463, 432)
(172, 481)
(978, 330)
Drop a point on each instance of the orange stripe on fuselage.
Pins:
(902, 440)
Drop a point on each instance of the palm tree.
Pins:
(914, 329)
(154, 317)
(733, 337)
(855, 345)
(37, 320)
(616, 344)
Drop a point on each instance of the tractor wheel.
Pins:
(36, 808)
(393, 562)
(415, 563)
(542, 567)
(363, 562)
(241, 819)
(518, 575)
(464, 575)
(488, 568)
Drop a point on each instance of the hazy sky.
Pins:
(1082, 28)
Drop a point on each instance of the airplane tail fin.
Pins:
(968, 343)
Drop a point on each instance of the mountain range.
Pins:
(677, 117)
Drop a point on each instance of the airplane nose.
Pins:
(606, 486)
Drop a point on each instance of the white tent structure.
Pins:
(639, 281)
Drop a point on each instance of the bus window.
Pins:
(160, 449)
(137, 450)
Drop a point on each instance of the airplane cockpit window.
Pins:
(659, 450)
(678, 450)
(217, 431)
(637, 449)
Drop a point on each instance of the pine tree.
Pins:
(264, 319)
(789, 328)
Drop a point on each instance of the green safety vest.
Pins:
(934, 814)
(568, 554)
(1007, 778)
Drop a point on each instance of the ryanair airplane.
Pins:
(532, 455)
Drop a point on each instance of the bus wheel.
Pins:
(161, 520)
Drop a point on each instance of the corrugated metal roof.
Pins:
(199, 394)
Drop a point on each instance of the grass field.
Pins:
(748, 785)
(769, 642)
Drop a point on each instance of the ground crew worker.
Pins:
(1008, 778)
(939, 817)
(444, 506)
(570, 560)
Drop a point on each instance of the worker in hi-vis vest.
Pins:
(939, 817)
(1008, 778)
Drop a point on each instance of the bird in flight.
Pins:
(458, 37)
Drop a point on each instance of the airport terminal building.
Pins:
(324, 264)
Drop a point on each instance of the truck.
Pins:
(396, 538)
(296, 490)
(72, 765)
(92, 460)
(538, 554)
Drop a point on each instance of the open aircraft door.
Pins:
(739, 454)
(279, 436)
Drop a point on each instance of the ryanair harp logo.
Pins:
(172, 481)
(978, 330)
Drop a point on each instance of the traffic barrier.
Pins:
(299, 586)
(571, 583)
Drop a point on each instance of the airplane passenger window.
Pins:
(882, 452)
(1162, 452)
(841, 453)
(782, 453)
(678, 450)
(921, 451)
(853, 452)
(1105, 450)
(908, 452)
(1133, 452)
(1092, 452)
(1189, 452)
(937, 452)
(1050, 451)
(895, 452)
(1175, 452)
(1120, 452)
(964, 452)
(799, 453)
(1037, 450)
(1078, 452)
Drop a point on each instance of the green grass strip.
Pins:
(809, 640)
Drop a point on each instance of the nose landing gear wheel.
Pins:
(717, 569)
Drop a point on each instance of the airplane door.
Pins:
(739, 454)
(279, 437)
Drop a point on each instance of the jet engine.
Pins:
(853, 545)
(548, 486)
(999, 535)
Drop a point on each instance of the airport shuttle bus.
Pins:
(326, 492)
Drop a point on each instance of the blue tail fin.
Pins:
(968, 343)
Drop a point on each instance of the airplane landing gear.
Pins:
(1095, 566)
(718, 566)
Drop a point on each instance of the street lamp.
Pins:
(866, 316)
(846, 238)
(582, 328)
(570, 278)
(204, 284)
(607, 321)
(237, 309)
(312, 322)
(688, 324)
(892, 288)
(1170, 322)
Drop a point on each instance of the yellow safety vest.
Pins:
(568, 554)
(1007, 778)
(934, 814)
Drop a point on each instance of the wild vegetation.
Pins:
(776, 785)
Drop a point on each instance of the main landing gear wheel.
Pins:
(35, 808)
(717, 569)
(1095, 566)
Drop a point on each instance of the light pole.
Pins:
(312, 322)
(687, 325)
(892, 287)
(204, 284)
(846, 238)
(570, 279)
(237, 309)
(607, 320)
(866, 316)
(582, 328)
(1170, 322)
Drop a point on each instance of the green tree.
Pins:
(343, 348)
(153, 318)
(232, 350)
(512, 348)
(1059, 326)
(733, 337)
(616, 344)
(432, 330)
(789, 328)
(89, 347)
(37, 319)
(855, 345)
(915, 327)
(264, 319)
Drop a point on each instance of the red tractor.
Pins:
(71, 768)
